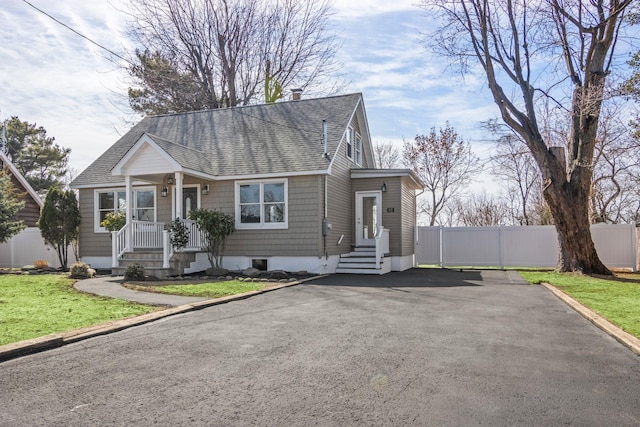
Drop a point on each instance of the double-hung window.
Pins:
(349, 141)
(261, 204)
(358, 150)
(107, 201)
(113, 200)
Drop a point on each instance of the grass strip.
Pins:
(32, 306)
(204, 290)
(617, 299)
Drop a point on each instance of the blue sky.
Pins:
(58, 80)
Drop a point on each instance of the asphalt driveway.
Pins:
(415, 348)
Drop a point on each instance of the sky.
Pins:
(56, 79)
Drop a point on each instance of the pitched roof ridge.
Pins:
(181, 146)
(239, 107)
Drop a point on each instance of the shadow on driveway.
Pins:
(424, 278)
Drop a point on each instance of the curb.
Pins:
(48, 342)
(618, 334)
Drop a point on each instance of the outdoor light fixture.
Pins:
(384, 187)
(205, 189)
(164, 191)
(170, 180)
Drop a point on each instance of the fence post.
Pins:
(634, 247)
(441, 245)
(500, 248)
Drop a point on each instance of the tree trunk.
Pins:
(569, 205)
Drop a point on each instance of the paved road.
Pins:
(418, 348)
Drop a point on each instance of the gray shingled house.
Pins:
(298, 176)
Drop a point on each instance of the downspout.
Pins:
(325, 220)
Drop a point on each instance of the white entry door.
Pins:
(368, 216)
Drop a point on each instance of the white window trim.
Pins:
(350, 137)
(357, 149)
(96, 203)
(262, 225)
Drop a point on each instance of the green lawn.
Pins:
(32, 306)
(205, 290)
(616, 299)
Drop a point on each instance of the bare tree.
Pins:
(444, 163)
(387, 155)
(512, 162)
(201, 54)
(481, 210)
(614, 195)
(528, 51)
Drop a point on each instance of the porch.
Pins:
(149, 244)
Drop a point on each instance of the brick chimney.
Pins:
(296, 94)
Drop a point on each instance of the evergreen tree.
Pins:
(39, 159)
(10, 205)
(60, 221)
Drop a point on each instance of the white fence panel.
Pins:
(527, 246)
(615, 244)
(532, 246)
(473, 246)
(27, 247)
(428, 245)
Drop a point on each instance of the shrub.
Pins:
(40, 264)
(134, 272)
(80, 270)
(114, 221)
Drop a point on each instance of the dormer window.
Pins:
(358, 150)
(350, 143)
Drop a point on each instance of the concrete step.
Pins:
(158, 272)
(341, 270)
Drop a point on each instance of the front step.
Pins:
(362, 260)
(152, 262)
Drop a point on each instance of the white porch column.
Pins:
(179, 183)
(129, 214)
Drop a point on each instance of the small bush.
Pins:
(134, 272)
(40, 264)
(80, 270)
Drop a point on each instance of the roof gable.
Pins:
(21, 179)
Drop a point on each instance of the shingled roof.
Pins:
(280, 138)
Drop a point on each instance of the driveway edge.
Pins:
(48, 342)
(618, 334)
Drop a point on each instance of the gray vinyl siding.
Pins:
(302, 238)
(340, 206)
(91, 243)
(408, 218)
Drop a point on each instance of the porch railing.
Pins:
(151, 235)
(382, 244)
(147, 234)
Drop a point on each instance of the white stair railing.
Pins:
(382, 244)
(118, 245)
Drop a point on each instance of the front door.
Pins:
(189, 201)
(368, 216)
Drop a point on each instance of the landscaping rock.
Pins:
(251, 272)
(216, 272)
(278, 274)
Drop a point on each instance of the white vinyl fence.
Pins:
(27, 247)
(527, 246)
